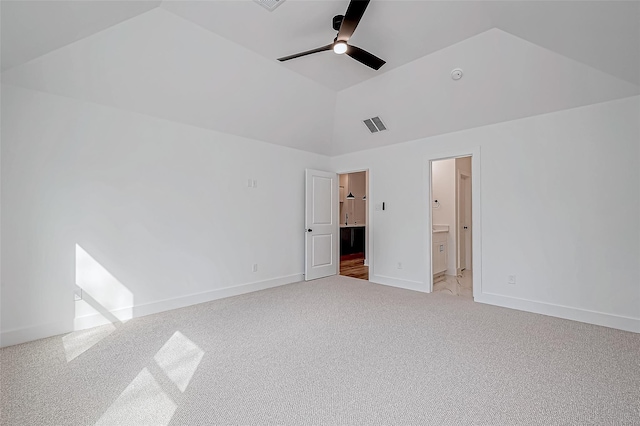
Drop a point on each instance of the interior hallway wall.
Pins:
(444, 213)
(355, 184)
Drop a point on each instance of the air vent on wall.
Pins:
(270, 5)
(374, 124)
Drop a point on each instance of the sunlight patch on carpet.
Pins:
(179, 358)
(78, 342)
(142, 402)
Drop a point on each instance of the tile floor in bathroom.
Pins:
(461, 285)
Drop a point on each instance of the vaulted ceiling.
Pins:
(212, 63)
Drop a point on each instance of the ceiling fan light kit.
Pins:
(346, 25)
(340, 47)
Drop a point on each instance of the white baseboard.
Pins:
(397, 282)
(27, 334)
(560, 311)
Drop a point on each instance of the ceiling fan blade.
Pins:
(352, 18)
(308, 52)
(365, 57)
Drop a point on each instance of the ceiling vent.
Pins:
(270, 5)
(374, 124)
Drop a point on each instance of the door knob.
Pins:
(309, 230)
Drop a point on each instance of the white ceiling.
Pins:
(604, 35)
(505, 78)
(213, 64)
(34, 28)
(161, 65)
(297, 26)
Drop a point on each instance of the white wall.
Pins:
(559, 209)
(444, 190)
(164, 212)
(161, 213)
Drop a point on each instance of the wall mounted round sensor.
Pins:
(456, 74)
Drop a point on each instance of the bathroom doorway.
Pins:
(451, 226)
(354, 231)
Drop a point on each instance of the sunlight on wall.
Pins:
(103, 294)
(105, 302)
(143, 402)
(179, 358)
(78, 342)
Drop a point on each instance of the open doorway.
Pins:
(354, 232)
(451, 219)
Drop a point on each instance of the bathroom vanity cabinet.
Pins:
(439, 252)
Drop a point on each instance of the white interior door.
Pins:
(467, 222)
(321, 224)
(461, 234)
(464, 225)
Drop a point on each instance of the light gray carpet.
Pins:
(331, 351)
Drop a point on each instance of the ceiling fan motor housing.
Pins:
(337, 21)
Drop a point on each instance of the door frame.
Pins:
(368, 235)
(476, 226)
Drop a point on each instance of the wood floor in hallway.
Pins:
(354, 267)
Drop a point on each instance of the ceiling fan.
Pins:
(346, 25)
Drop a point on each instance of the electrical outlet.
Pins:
(255, 183)
(399, 265)
(255, 267)
(511, 279)
(249, 183)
